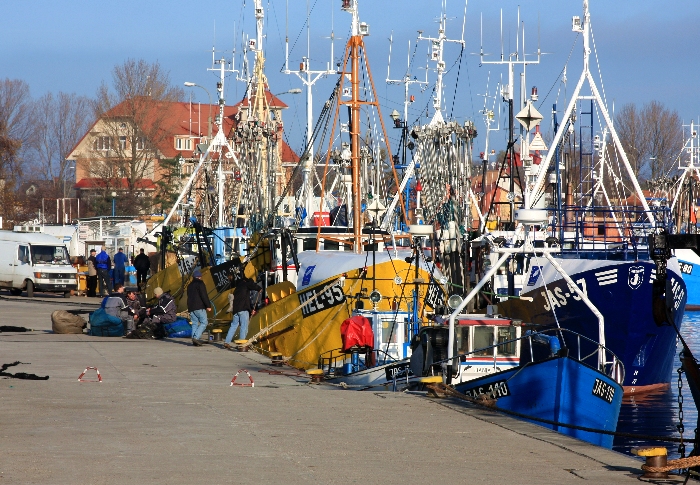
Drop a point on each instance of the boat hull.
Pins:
(559, 389)
(622, 292)
(690, 269)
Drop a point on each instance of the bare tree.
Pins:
(652, 138)
(15, 132)
(60, 121)
(134, 122)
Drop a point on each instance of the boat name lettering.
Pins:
(435, 296)
(558, 297)
(686, 268)
(398, 371)
(333, 296)
(495, 389)
(603, 390)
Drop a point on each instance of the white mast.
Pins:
(584, 28)
(308, 78)
(438, 44)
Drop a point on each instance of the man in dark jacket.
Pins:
(104, 263)
(198, 306)
(241, 308)
(165, 311)
(142, 265)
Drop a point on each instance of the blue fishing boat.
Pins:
(602, 234)
(564, 378)
(554, 392)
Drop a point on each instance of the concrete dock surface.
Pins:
(165, 413)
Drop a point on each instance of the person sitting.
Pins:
(133, 307)
(163, 312)
(117, 305)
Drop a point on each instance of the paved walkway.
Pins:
(165, 413)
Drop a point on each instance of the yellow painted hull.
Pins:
(282, 326)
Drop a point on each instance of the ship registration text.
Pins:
(495, 390)
(558, 298)
(326, 299)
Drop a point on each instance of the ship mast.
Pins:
(438, 47)
(355, 58)
(583, 26)
(308, 78)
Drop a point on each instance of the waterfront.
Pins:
(165, 413)
(657, 413)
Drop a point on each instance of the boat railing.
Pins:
(559, 344)
(338, 361)
(616, 229)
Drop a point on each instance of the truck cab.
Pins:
(35, 262)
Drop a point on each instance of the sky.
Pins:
(646, 49)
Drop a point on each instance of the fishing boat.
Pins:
(559, 382)
(346, 255)
(603, 240)
(683, 215)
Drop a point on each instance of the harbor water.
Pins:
(656, 413)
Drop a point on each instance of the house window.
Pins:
(122, 142)
(102, 143)
(140, 143)
(183, 143)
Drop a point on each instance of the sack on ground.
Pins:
(105, 325)
(65, 322)
(180, 328)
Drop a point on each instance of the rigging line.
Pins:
(324, 113)
(562, 71)
(459, 69)
(600, 74)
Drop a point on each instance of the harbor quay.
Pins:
(165, 412)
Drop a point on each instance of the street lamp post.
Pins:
(114, 204)
(190, 85)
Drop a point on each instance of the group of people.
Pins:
(239, 306)
(143, 321)
(140, 320)
(99, 265)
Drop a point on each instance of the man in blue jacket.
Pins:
(120, 260)
(104, 263)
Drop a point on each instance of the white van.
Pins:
(35, 262)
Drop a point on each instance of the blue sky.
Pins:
(647, 50)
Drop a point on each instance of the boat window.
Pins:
(228, 244)
(483, 337)
(463, 339)
(49, 255)
(504, 335)
(389, 331)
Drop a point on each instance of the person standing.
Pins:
(92, 274)
(240, 307)
(142, 265)
(198, 306)
(120, 260)
(104, 263)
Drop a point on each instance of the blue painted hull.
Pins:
(621, 290)
(690, 269)
(559, 389)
